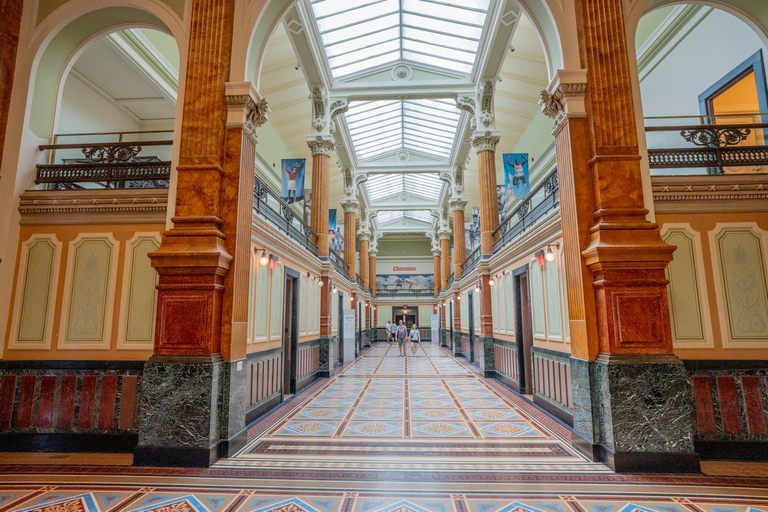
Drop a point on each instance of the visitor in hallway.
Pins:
(413, 338)
(389, 331)
(400, 334)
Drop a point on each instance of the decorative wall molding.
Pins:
(122, 206)
(710, 193)
(126, 337)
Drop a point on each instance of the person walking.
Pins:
(389, 331)
(400, 334)
(414, 337)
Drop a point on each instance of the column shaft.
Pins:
(364, 262)
(459, 242)
(372, 273)
(489, 203)
(445, 262)
(10, 13)
(319, 216)
(349, 243)
(436, 271)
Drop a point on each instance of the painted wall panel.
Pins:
(275, 322)
(140, 302)
(262, 302)
(554, 317)
(36, 292)
(685, 305)
(537, 300)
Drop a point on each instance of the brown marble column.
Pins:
(485, 145)
(350, 211)
(364, 262)
(325, 307)
(456, 323)
(436, 271)
(372, 271)
(445, 258)
(459, 239)
(321, 148)
(10, 13)
(615, 264)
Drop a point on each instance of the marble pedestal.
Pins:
(485, 358)
(634, 413)
(326, 363)
(192, 411)
(456, 348)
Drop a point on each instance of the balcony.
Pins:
(701, 145)
(406, 293)
(115, 160)
(268, 204)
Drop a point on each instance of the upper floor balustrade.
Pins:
(268, 204)
(694, 145)
(107, 160)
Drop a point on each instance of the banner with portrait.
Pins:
(292, 172)
(516, 175)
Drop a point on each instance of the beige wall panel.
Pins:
(139, 304)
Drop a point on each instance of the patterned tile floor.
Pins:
(388, 434)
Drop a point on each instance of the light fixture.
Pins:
(334, 290)
(491, 282)
(320, 282)
(549, 255)
(263, 259)
(477, 289)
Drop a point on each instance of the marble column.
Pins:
(353, 305)
(10, 13)
(632, 403)
(196, 370)
(364, 261)
(486, 357)
(321, 148)
(436, 271)
(456, 324)
(372, 270)
(326, 339)
(445, 257)
(485, 145)
(459, 239)
(350, 211)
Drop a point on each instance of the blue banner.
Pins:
(292, 179)
(516, 174)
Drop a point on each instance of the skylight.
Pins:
(443, 34)
(386, 216)
(425, 185)
(379, 127)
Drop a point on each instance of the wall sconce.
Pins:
(263, 259)
(549, 255)
(320, 282)
(335, 290)
(477, 289)
(491, 281)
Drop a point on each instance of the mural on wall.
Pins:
(516, 175)
(292, 182)
(389, 282)
(472, 231)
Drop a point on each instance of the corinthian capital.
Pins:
(564, 97)
(350, 205)
(485, 141)
(245, 108)
(457, 203)
(321, 145)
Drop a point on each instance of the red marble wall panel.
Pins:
(128, 397)
(705, 410)
(729, 406)
(753, 404)
(87, 401)
(107, 401)
(7, 399)
(45, 402)
(26, 401)
(67, 400)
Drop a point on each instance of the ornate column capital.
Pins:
(564, 97)
(372, 253)
(364, 234)
(436, 253)
(321, 145)
(350, 205)
(245, 108)
(457, 203)
(444, 233)
(486, 141)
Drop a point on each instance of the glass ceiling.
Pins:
(442, 34)
(425, 126)
(426, 185)
(385, 216)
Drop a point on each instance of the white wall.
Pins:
(85, 111)
(714, 48)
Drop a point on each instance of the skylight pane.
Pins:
(379, 150)
(371, 111)
(443, 11)
(469, 4)
(388, 216)
(431, 49)
(364, 53)
(427, 149)
(362, 42)
(446, 27)
(420, 215)
(368, 63)
(360, 29)
(424, 137)
(459, 43)
(432, 111)
(358, 15)
(434, 117)
(435, 61)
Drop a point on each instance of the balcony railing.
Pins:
(338, 262)
(544, 198)
(269, 204)
(692, 145)
(107, 160)
(359, 281)
(449, 282)
(406, 292)
(471, 261)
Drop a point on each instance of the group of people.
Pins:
(399, 333)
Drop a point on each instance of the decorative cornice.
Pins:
(321, 145)
(122, 206)
(485, 141)
(564, 97)
(722, 193)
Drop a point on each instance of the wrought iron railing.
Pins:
(471, 261)
(338, 262)
(405, 292)
(449, 282)
(269, 204)
(708, 144)
(360, 282)
(544, 198)
(125, 164)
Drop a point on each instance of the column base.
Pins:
(634, 413)
(326, 364)
(485, 359)
(192, 411)
(457, 343)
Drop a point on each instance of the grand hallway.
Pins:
(387, 433)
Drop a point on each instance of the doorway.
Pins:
(406, 314)
(341, 328)
(450, 322)
(290, 331)
(524, 330)
(471, 314)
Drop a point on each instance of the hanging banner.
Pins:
(337, 243)
(516, 174)
(331, 224)
(472, 231)
(501, 195)
(292, 181)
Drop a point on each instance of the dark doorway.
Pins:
(470, 307)
(523, 330)
(450, 323)
(407, 315)
(341, 328)
(290, 331)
